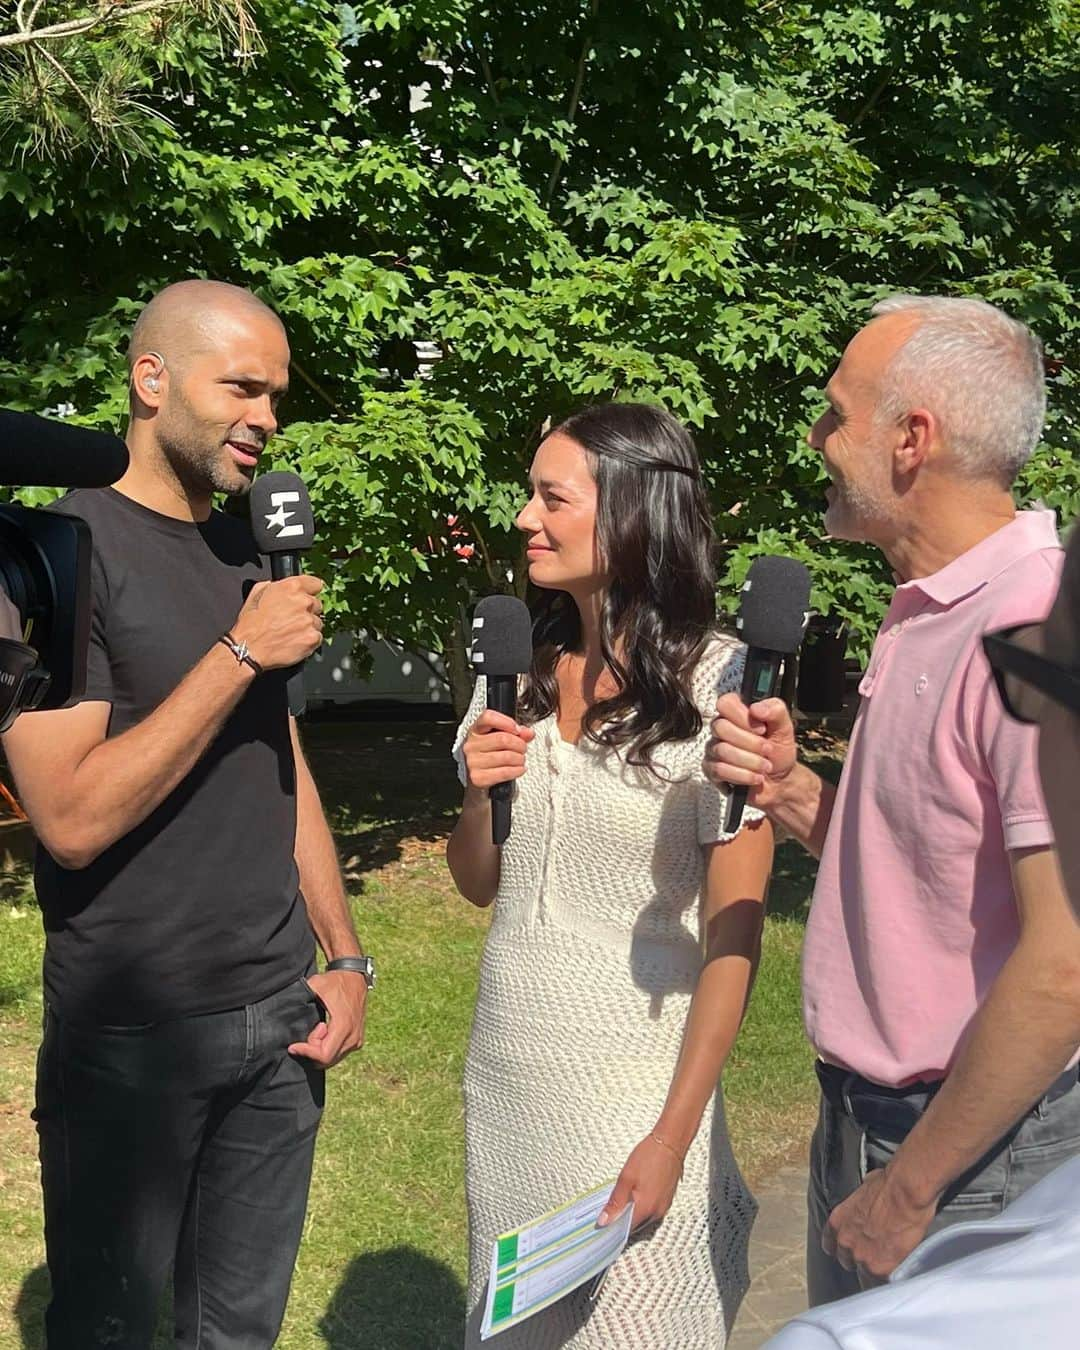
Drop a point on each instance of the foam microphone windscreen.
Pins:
(37, 452)
(774, 604)
(281, 516)
(502, 636)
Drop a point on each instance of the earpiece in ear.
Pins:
(153, 381)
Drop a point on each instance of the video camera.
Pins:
(45, 604)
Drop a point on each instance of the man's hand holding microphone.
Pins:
(281, 623)
(752, 749)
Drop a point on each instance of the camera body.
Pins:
(45, 562)
(45, 573)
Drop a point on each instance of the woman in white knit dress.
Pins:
(627, 925)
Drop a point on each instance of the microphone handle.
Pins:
(290, 565)
(501, 697)
(761, 679)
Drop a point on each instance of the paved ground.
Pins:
(777, 1247)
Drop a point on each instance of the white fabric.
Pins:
(991, 1284)
(588, 971)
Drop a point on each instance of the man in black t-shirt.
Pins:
(184, 864)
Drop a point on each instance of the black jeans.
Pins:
(183, 1147)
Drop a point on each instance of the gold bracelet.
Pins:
(670, 1148)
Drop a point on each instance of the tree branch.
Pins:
(117, 12)
(485, 66)
(575, 99)
(317, 388)
(871, 103)
(76, 27)
(521, 571)
(485, 553)
(59, 68)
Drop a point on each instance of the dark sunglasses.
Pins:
(1026, 678)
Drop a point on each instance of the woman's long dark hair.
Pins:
(655, 536)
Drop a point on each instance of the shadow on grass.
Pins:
(792, 884)
(17, 886)
(397, 1300)
(368, 850)
(20, 960)
(15, 996)
(30, 1308)
(382, 783)
(794, 870)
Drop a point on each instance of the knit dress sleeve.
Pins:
(719, 671)
(476, 706)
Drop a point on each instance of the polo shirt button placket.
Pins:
(883, 649)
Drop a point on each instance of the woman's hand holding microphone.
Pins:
(494, 752)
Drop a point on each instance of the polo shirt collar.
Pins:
(1028, 532)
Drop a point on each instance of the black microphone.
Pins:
(284, 528)
(773, 612)
(37, 452)
(501, 651)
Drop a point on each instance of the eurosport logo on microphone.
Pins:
(277, 520)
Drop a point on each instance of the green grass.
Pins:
(383, 1261)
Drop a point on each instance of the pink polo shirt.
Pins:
(913, 913)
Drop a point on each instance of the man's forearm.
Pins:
(1024, 1034)
(802, 804)
(320, 872)
(122, 780)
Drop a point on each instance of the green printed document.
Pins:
(533, 1266)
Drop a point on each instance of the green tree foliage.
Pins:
(71, 74)
(692, 202)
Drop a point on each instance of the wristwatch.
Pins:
(361, 965)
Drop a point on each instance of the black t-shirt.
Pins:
(197, 909)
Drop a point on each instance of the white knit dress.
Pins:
(591, 960)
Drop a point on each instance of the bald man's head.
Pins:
(208, 363)
(187, 317)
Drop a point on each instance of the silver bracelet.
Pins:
(240, 651)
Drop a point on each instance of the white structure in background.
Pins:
(397, 676)
(427, 353)
(420, 94)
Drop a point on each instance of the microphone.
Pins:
(284, 527)
(773, 613)
(37, 452)
(501, 651)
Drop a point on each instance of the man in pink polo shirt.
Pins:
(941, 970)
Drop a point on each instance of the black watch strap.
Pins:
(360, 965)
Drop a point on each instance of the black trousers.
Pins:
(181, 1148)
